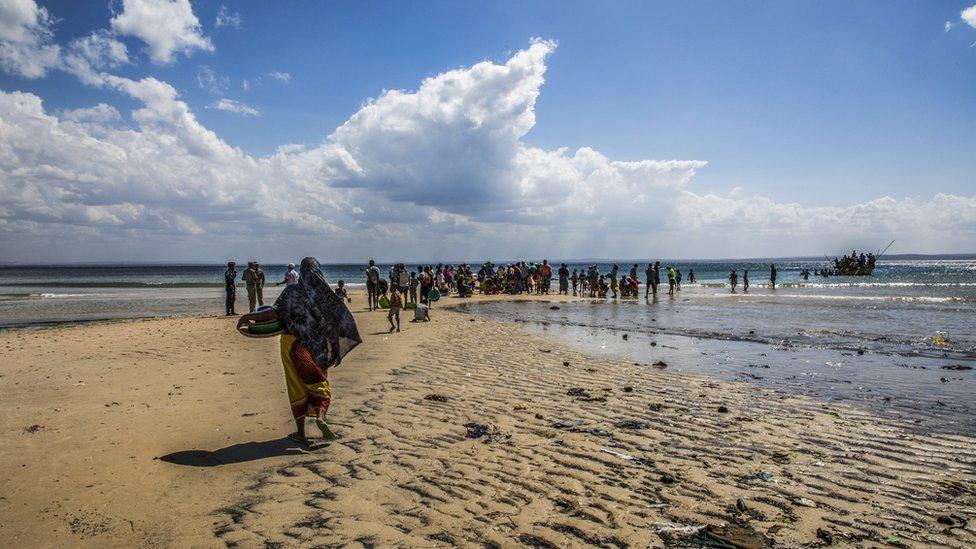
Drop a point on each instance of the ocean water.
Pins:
(902, 342)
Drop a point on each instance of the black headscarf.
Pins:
(317, 317)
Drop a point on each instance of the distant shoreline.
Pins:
(886, 257)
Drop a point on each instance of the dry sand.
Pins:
(169, 433)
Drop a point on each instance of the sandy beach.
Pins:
(462, 431)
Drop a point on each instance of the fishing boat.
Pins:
(858, 266)
(854, 270)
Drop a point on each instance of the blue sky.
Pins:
(821, 105)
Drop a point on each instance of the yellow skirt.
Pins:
(307, 383)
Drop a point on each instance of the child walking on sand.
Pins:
(396, 303)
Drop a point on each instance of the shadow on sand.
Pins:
(237, 453)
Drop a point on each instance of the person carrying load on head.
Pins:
(318, 331)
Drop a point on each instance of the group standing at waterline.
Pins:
(522, 277)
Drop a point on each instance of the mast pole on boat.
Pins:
(885, 250)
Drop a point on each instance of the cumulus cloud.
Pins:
(27, 45)
(282, 76)
(447, 159)
(226, 18)
(230, 105)
(969, 16)
(168, 27)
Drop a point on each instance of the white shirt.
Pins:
(291, 277)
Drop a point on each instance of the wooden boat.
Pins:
(854, 271)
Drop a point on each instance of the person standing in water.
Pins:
(772, 275)
(564, 280)
(230, 288)
(745, 281)
(672, 275)
(733, 280)
(677, 279)
(691, 276)
(613, 280)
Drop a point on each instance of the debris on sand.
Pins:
(566, 423)
(804, 502)
(626, 337)
(655, 406)
(476, 430)
(953, 520)
(565, 363)
(633, 424)
(660, 365)
(729, 535)
(554, 308)
(33, 429)
(580, 393)
(436, 397)
(628, 389)
(628, 457)
(741, 505)
(723, 409)
(957, 367)
(545, 350)
(487, 433)
(825, 536)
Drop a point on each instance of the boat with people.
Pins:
(858, 264)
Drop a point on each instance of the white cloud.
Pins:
(27, 45)
(168, 27)
(282, 76)
(230, 105)
(101, 50)
(99, 113)
(227, 19)
(948, 26)
(245, 84)
(209, 80)
(447, 159)
(969, 16)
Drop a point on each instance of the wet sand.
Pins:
(170, 433)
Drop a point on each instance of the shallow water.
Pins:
(900, 348)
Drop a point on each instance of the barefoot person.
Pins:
(372, 285)
(396, 303)
(318, 331)
(733, 280)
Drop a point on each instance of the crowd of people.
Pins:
(428, 282)
(416, 289)
(854, 262)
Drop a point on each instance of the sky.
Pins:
(171, 130)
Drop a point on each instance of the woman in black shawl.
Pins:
(318, 331)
